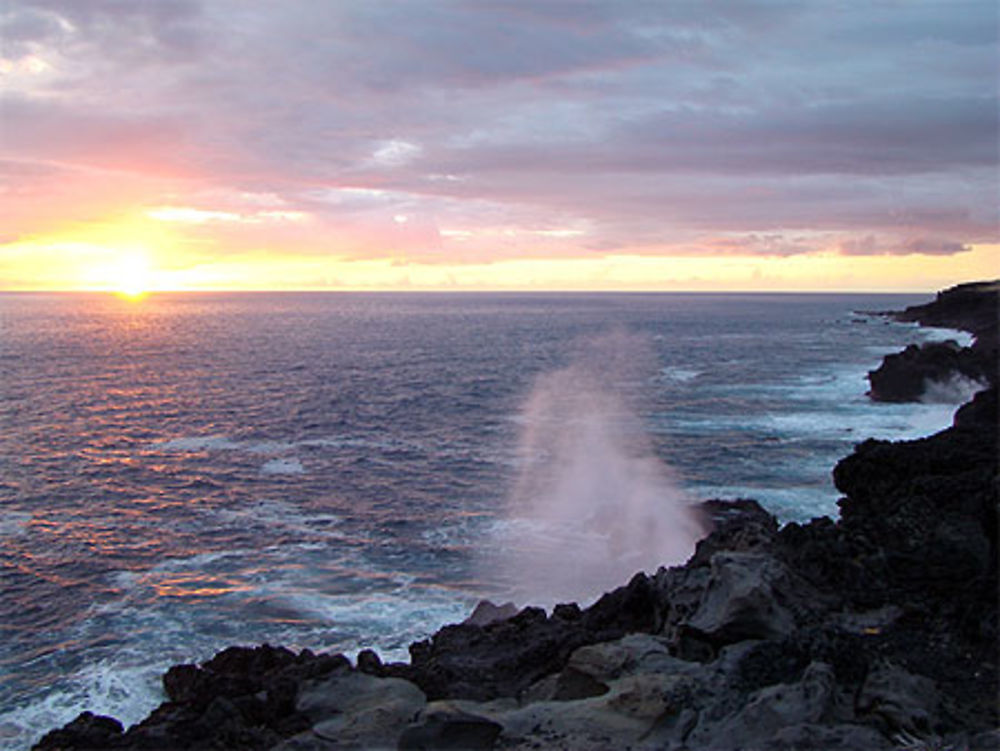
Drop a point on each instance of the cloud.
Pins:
(869, 245)
(758, 128)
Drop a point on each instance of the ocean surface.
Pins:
(340, 471)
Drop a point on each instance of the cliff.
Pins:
(921, 371)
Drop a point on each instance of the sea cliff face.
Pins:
(876, 631)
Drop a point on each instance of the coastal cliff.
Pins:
(919, 371)
(875, 631)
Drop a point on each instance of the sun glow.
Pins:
(133, 278)
(127, 273)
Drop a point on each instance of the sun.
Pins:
(132, 278)
(129, 275)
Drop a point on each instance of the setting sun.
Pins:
(127, 273)
(132, 277)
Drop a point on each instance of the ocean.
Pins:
(348, 470)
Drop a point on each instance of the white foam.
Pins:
(787, 504)
(277, 514)
(268, 447)
(385, 621)
(13, 523)
(283, 466)
(957, 389)
(197, 443)
(678, 374)
(196, 562)
(223, 443)
(935, 334)
(127, 690)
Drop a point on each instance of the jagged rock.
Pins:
(919, 371)
(87, 731)
(445, 726)
(736, 526)
(567, 611)
(633, 654)
(743, 600)
(930, 504)
(899, 701)
(769, 710)
(970, 307)
(486, 613)
(369, 662)
(504, 658)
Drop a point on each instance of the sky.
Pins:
(480, 144)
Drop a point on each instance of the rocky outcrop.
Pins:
(929, 371)
(969, 307)
(939, 370)
(875, 631)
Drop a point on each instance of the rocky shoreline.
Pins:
(876, 631)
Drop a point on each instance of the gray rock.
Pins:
(988, 741)
(356, 710)
(869, 622)
(600, 661)
(743, 599)
(572, 684)
(899, 701)
(486, 612)
(635, 653)
(445, 726)
(347, 692)
(811, 737)
(770, 711)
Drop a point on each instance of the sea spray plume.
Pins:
(592, 504)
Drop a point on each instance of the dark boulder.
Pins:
(88, 731)
(447, 727)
